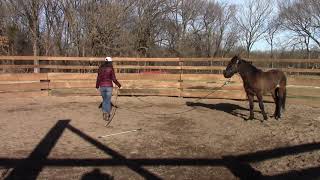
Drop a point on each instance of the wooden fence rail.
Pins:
(11, 64)
(184, 77)
(63, 58)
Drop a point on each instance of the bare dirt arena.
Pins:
(57, 138)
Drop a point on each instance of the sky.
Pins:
(232, 1)
(260, 45)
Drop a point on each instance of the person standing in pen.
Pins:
(104, 83)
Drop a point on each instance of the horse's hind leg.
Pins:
(276, 99)
(284, 99)
(282, 94)
(259, 96)
(283, 105)
(281, 101)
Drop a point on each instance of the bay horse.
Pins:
(257, 82)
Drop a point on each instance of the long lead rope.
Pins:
(178, 112)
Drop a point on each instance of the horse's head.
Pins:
(232, 67)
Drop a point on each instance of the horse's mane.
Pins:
(248, 66)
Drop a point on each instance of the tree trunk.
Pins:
(35, 54)
(35, 46)
(248, 51)
(271, 49)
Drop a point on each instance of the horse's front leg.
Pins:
(260, 99)
(250, 99)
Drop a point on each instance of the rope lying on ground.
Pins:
(124, 132)
(115, 106)
(174, 113)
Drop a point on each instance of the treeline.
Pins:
(159, 28)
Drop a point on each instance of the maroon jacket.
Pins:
(105, 77)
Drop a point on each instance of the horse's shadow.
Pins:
(232, 109)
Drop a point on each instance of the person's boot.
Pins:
(106, 116)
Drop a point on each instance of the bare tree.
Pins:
(73, 32)
(225, 26)
(251, 20)
(29, 12)
(210, 21)
(4, 41)
(172, 31)
(150, 28)
(302, 17)
(215, 20)
(149, 15)
(273, 28)
(2, 17)
(106, 27)
(180, 20)
(53, 26)
(306, 42)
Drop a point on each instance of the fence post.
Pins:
(46, 81)
(180, 79)
(36, 69)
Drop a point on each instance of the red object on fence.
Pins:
(154, 72)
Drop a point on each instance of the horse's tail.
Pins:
(283, 102)
(283, 91)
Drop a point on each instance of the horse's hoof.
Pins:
(277, 117)
(250, 118)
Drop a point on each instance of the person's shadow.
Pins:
(96, 174)
(232, 109)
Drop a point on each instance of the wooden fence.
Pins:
(180, 77)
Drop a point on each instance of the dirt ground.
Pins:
(57, 138)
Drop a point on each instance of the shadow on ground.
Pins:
(239, 165)
(232, 109)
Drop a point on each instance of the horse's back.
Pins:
(277, 76)
(276, 73)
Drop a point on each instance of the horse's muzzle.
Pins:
(225, 74)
